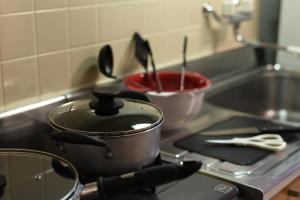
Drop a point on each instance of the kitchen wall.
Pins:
(49, 47)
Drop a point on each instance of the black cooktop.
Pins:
(22, 131)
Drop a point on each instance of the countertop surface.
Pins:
(30, 129)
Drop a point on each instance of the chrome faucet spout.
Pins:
(208, 9)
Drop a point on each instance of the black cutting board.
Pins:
(240, 155)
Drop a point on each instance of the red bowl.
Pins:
(170, 81)
(178, 106)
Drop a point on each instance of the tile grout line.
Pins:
(69, 49)
(36, 51)
(59, 9)
(97, 21)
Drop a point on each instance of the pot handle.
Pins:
(79, 138)
(148, 177)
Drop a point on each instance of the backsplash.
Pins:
(49, 47)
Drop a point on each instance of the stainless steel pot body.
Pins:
(129, 152)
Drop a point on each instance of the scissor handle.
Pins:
(271, 142)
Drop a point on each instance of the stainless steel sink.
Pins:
(272, 92)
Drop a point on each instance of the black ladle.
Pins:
(106, 63)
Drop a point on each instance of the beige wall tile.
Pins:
(46, 4)
(84, 67)
(51, 31)
(80, 2)
(82, 26)
(199, 42)
(177, 14)
(124, 59)
(194, 12)
(135, 18)
(159, 48)
(174, 46)
(157, 17)
(109, 1)
(54, 73)
(20, 80)
(16, 36)
(111, 22)
(10, 6)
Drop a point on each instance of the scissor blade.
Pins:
(219, 141)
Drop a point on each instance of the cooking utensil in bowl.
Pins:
(271, 142)
(155, 72)
(183, 67)
(178, 106)
(142, 51)
(106, 63)
(127, 132)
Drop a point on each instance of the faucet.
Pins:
(236, 21)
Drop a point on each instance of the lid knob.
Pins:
(106, 102)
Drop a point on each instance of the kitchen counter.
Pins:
(261, 183)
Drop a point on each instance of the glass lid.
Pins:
(128, 116)
(34, 175)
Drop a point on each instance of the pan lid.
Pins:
(110, 114)
(35, 175)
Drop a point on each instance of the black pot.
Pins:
(109, 135)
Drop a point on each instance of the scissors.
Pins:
(273, 142)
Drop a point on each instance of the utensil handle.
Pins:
(183, 67)
(79, 138)
(148, 177)
(278, 146)
(158, 82)
(182, 76)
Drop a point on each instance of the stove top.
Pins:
(25, 132)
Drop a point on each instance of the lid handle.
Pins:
(106, 102)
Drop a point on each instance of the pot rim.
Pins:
(106, 134)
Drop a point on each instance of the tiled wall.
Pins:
(49, 47)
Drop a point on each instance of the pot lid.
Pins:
(34, 175)
(110, 114)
